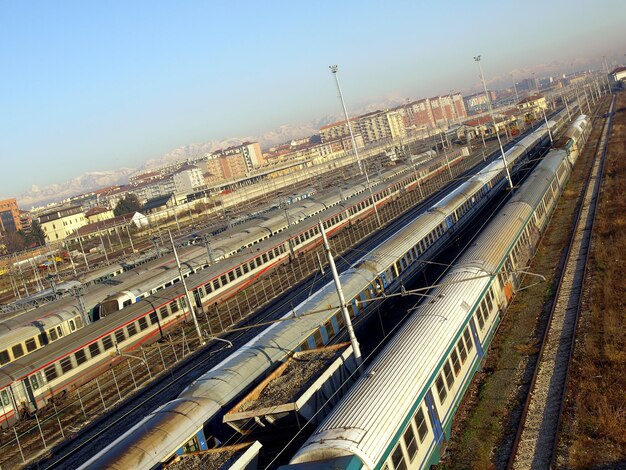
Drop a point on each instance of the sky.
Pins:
(87, 86)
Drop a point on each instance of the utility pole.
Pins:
(187, 293)
(342, 300)
(78, 292)
(482, 78)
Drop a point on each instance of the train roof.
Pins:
(404, 370)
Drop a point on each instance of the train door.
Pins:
(6, 403)
(29, 393)
(435, 421)
(196, 297)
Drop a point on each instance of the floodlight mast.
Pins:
(362, 168)
(482, 79)
(333, 70)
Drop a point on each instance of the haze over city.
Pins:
(90, 87)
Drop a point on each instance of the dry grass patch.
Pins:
(594, 424)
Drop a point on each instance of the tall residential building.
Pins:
(431, 112)
(249, 152)
(381, 125)
(370, 127)
(188, 179)
(61, 222)
(417, 114)
(9, 216)
(478, 102)
(339, 129)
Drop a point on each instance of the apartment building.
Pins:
(60, 223)
(9, 216)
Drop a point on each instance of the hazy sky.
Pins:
(90, 85)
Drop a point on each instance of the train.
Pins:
(145, 320)
(399, 413)
(126, 284)
(193, 419)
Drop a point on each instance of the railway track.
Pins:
(107, 427)
(536, 438)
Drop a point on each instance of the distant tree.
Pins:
(126, 205)
(13, 242)
(35, 235)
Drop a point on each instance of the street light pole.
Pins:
(482, 78)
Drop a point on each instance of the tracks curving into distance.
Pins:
(537, 434)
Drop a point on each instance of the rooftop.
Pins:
(95, 211)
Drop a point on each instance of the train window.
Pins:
(447, 370)
(317, 337)
(410, 442)
(80, 356)
(107, 342)
(264, 258)
(119, 336)
(174, 307)
(351, 310)
(245, 268)
(224, 279)
(461, 347)
(420, 424)
(479, 317)
(329, 329)
(52, 334)
(18, 351)
(143, 323)
(398, 459)
(72, 325)
(79, 322)
(455, 362)
(60, 331)
(154, 318)
(340, 321)
(164, 311)
(489, 302)
(208, 288)
(216, 284)
(31, 345)
(231, 276)
(4, 357)
(51, 373)
(441, 389)
(94, 349)
(131, 329)
(484, 310)
(468, 339)
(66, 364)
(5, 397)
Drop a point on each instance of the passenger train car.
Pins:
(194, 415)
(29, 331)
(32, 330)
(399, 413)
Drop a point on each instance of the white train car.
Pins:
(399, 413)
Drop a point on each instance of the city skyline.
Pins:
(94, 88)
